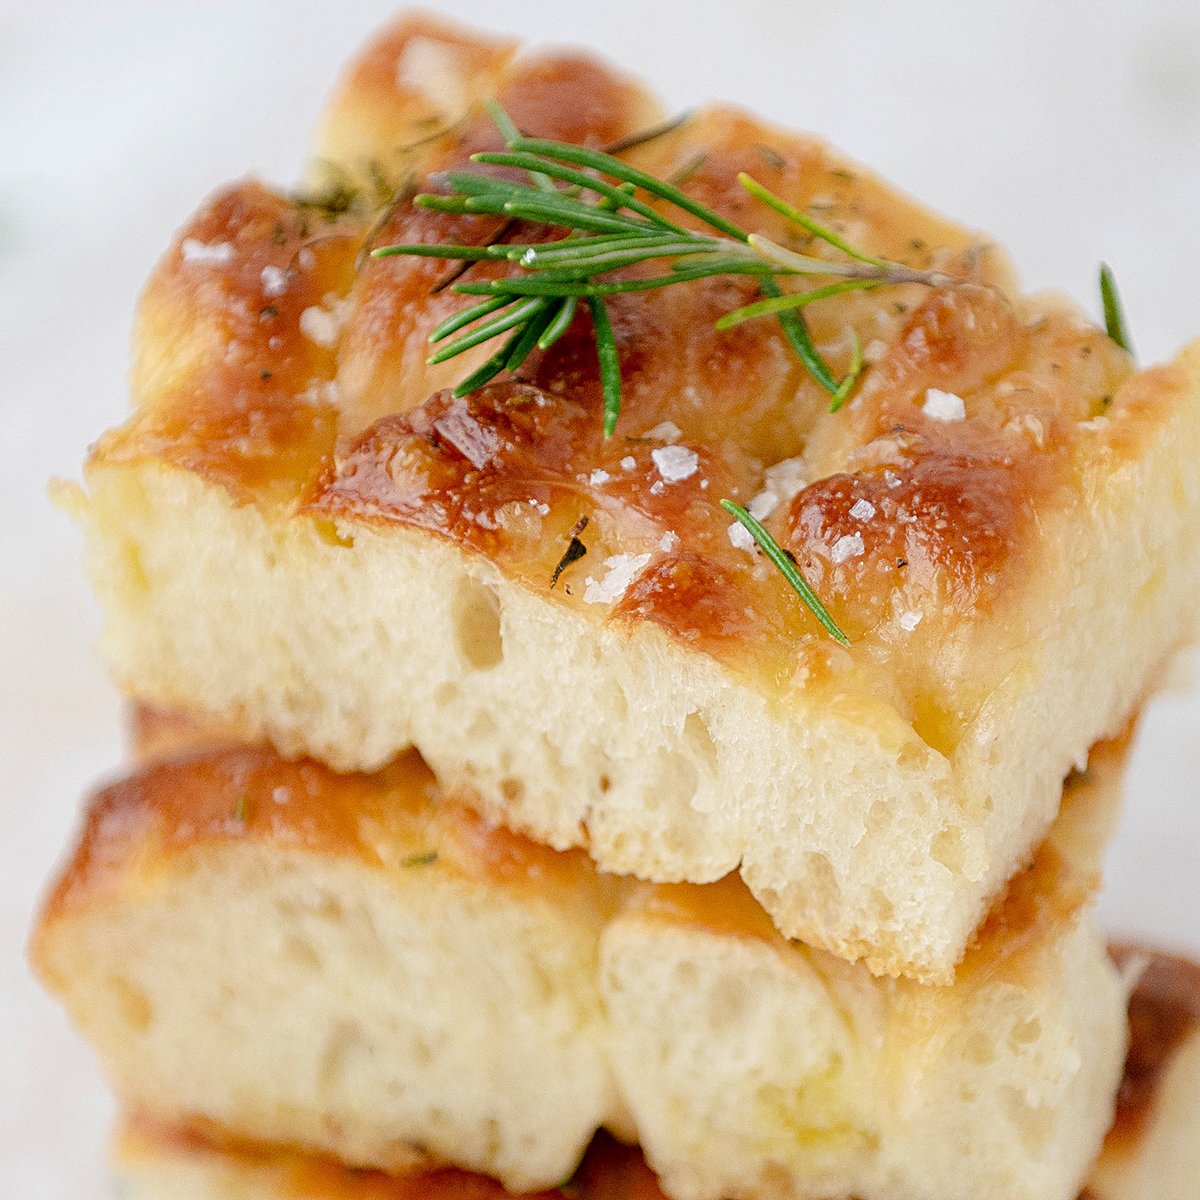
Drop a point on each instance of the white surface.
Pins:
(1070, 131)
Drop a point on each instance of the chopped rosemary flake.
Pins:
(1114, 312)
(787, 568)
(426, 859)
(574, 552)
(593, 196)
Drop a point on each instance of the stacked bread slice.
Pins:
(492, 789)
(1149, 1154)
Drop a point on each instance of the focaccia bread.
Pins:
(336, 962)
(300, 529)
(360, 966)
(1150, 1153)
(998, 1088)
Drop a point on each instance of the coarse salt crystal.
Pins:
(216, 253)
(628, 463)
(621, 571)
(322, 325)
(598, 477)
(741, 537)
(763, 505)
(943, 406)
(862, 510)
(850, 545)
(666, 431)
(891, 478)
(274, 281)
(669, 541)
(910, 620)
(433, 69)
(786, 479)
(675, 463)
(657, 488)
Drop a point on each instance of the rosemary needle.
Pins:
(787, 568)
(1114, 311)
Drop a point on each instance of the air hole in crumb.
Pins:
(699, 742)
(327, 531)
(483, 726)
(1026, 1032)
(948, 849)
(445, 695)
(476, 616)
(980, 1050)
(302, 953)
(605, 784)
(135, 571)
(512, 790)
(136, 1010)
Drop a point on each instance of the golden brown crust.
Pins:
(184, 798)
(954, 504)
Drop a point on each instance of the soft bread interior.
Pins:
(1150, 1155)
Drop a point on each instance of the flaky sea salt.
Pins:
(669, 542)
(910, 620)
(763, 505)
(665, 431)
(786, 479)
(322, 323)
(598, 476)
(216, 253)
(741, 537)
(433, 69)
(862, 510)
(850, 545)
(628, 463)
(621, 570)
(675, 463)
(943, 406)
(274, 281)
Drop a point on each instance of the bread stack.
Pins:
(491, 789)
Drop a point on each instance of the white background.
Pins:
(1070, 130)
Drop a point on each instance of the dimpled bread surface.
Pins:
(301, 531)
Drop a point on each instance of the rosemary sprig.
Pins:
(787, 568)
(1114, 311)
(593, 197)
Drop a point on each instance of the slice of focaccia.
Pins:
(1150, 1153)
(336, 962)
(358, 965)
(997, 1088)
(299, 528)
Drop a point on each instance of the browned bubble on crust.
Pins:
(1164, 1011)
